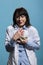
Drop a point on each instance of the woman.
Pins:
(22, 39)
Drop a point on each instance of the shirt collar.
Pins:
(24, 27)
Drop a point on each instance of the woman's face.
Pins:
(21, 20)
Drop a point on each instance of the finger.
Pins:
(18, 41)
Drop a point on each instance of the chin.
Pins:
(21, 25)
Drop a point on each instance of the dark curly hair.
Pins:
(19, 12)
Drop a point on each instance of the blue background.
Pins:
(35, 9)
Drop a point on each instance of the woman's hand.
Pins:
(23, 40)
(18, 34)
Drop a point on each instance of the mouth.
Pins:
(20, 22)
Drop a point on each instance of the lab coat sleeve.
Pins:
(34, 40)
(9, 42)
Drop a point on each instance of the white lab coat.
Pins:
(32, 36)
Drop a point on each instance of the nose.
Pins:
(20, 18)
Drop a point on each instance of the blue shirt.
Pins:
(23, 59)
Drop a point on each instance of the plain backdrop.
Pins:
(35, 10)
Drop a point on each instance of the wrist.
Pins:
(14, 38)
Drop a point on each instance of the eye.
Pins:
(22, 16)
(17, 18)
